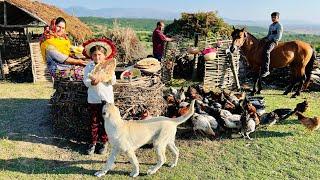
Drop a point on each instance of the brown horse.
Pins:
(298, 55)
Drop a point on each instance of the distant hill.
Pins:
(123, 13)
(297, 26)
(136, 24)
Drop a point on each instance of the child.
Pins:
(99, 50)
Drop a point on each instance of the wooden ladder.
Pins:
(39, 67)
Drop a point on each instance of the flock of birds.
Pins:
(229, 112)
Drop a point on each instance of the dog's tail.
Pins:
(185, 117)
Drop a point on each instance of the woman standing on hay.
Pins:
(99, 76)
(55, 50)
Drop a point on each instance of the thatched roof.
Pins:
(44, 13)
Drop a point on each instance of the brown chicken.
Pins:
(310, 123)
(252, 111)
(182, 111)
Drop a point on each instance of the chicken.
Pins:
(310, 123)
(173, 91)
(183, 104)
(257, 102)
(302, 107)
(240, 96)
(170, 99)
(182, 111)
(180, 96)
(145, 115)
(252, 111)
(204, 123)
(269, 118)
(231, 120)
(248, 125)
(283, 113)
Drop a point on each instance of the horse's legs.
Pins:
(293, 81)
(290, 87)
(259, 85)
(302, 78)
(255, 82)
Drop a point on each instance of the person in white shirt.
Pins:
(98, 92)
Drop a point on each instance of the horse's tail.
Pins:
(309, 69)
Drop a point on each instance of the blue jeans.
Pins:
(158, 56)
(268, 48)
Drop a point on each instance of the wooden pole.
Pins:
(234, 72)
(195, 64)
(4, 13)
(1, 68)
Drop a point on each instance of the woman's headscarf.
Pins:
(50, 39)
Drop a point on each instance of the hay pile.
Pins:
(129, 47)
(69, 111)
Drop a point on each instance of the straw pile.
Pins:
(129, 47)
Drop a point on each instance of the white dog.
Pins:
(127, 136)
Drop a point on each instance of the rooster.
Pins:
(310, 123)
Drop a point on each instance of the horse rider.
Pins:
(272, 39)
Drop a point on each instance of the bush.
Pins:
(205, 23)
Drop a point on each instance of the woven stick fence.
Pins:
(219, 73)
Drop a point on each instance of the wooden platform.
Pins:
(39, 67)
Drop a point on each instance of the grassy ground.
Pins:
(29, 149)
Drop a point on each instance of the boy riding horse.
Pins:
(272, 39)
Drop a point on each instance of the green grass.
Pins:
(29, 149)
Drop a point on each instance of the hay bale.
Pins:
(69, 111)
(129, 47)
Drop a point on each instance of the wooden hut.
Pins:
(21, 24)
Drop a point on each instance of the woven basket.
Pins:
(69, 109)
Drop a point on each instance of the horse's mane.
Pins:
(253, 37)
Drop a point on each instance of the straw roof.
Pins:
(45, 13)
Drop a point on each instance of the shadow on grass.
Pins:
(44, 166)
(268, 134)
(29, 120)
(289, 122)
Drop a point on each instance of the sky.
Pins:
(255, 10)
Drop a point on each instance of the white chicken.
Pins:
(231, 120)
(204, 123)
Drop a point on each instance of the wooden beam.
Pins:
(5, 13)
(2, 76)
(20, 26)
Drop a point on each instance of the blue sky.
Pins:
(303, 10)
